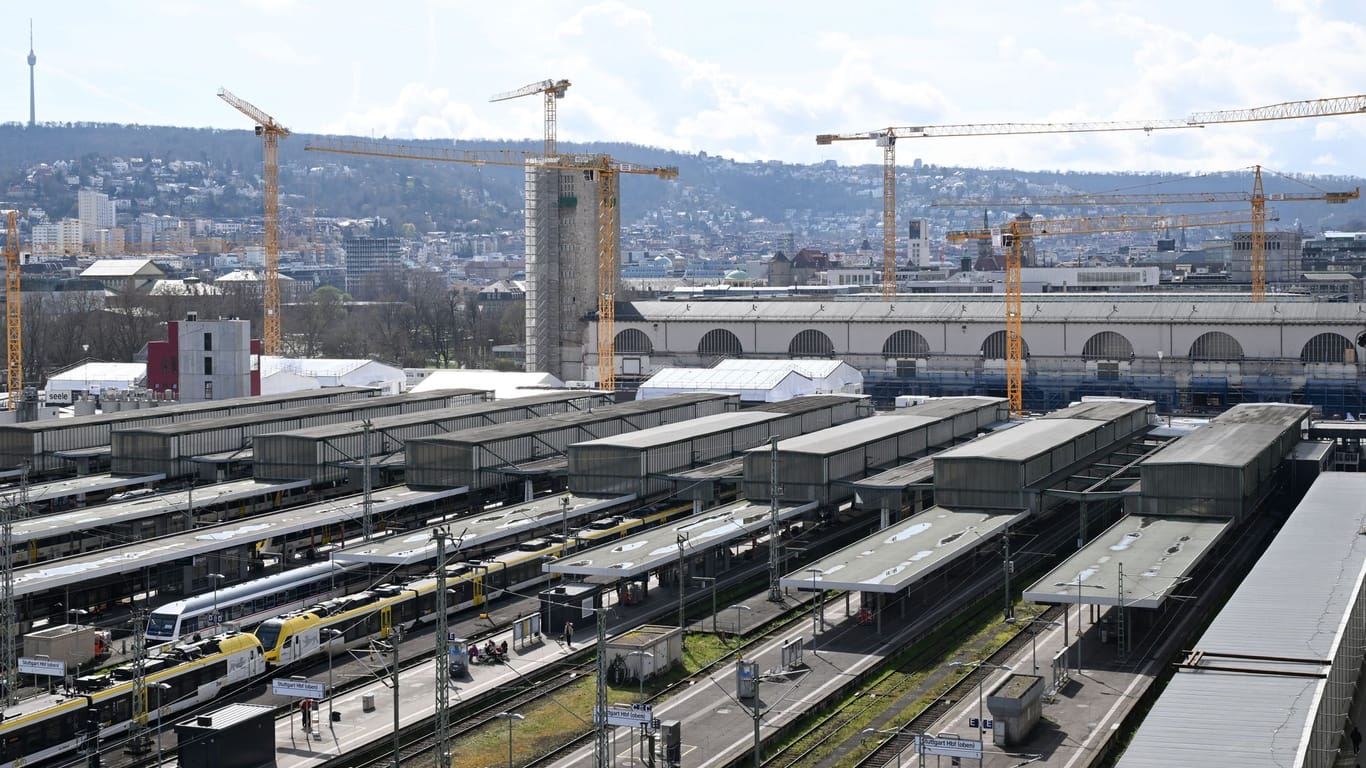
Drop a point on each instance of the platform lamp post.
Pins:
(217, 620)
(1033, 636)
(510, 716)
(739, 631)
(981, 712)
(885, 732)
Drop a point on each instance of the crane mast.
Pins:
(552, 90)
(271, 131)
(14, 316)
(607, 175)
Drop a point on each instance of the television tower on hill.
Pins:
(32, 61)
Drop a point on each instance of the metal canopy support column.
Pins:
(775, 591)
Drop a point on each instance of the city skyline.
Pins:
(751, 82)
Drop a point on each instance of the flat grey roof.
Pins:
(1157, 554)
(409, 547)
(162, 503)
(1023, 441)
(701, 426)
(1283, 414)
(733, 467)
(495, 432)
(61, 489)
(898, 556)
(1218, 444)
(952, 406)
(842, 437)
(808, 403)
(636, 555)
(918, 472)
(179, 409)
(1101, 410)
(303, 411)
(377, 425)
(134, 557)
(1296, 603)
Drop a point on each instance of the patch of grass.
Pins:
(555, 719)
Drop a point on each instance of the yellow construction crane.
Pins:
(553, 91)
(887, 138)
(1016, 231)
(607, 173)
(270, 131)
(1257, 197)
(13, 312)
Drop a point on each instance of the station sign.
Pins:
(49, 667)
(306, 689)
(631, 716)
(950, 747)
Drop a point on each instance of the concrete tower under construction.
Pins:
(561, 268)
(32, 63)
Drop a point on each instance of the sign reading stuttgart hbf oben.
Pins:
(949, 747)
(300, 688)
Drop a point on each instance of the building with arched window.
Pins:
(1188, 352)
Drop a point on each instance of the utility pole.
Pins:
(367, 524)
(11, 508)
(602, 750)
(139, 741)
(682, 575)
(775, 592)
(1007, 567)
(443, 665)
(564, 515)
(395, 637)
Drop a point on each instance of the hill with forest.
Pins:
(456, 197)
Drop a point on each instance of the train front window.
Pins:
(269, 633)
(161, 625)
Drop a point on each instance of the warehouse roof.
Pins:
(1217, 444)
(1101, 410)
(76, 486)
(1021, 442)
(952, 406)
(297, 412)
(623, 411)
(842, 437)
(1295, 605)
(898, 556)
(699, 427)
(107, 269)
(1156, 555)
(379, 424)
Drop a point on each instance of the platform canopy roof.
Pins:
(900, 555)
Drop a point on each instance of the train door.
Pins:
(386, 621)
(478, 581)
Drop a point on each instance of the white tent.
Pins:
(827, 376)
(770, 385)
(504, 384)
(328, 372)
(281, 381)
(94, 379)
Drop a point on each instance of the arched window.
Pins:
(633, 341)
(720, 343)
(811, 343)
(994, 348)
(1107, 345)
(905, 344)
(1216, 345)
(1327, 348)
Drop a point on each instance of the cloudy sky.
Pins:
(747, 79)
